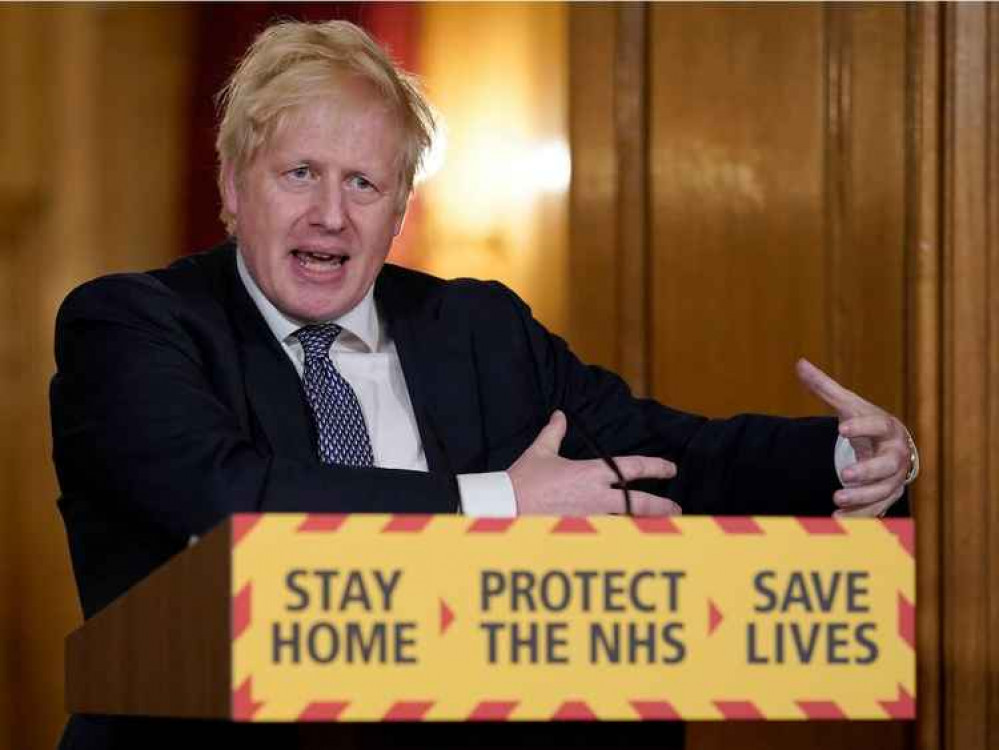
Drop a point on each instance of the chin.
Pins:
(323, 310)
(311, 302)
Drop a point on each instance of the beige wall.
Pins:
(91, 145)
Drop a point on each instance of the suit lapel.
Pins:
(273, 388)
(437, 363)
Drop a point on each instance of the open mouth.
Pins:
(317, 260)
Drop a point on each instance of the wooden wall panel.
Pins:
(738, 282)
(18, 211)
(991, 587)
(609, 299)
(923, 262)
(970, 419)
(777, 154)
(594, 327)
(778, 229)
(143, 164)
(633, 183)
(864, 204)
(40, 596)
(94, 153)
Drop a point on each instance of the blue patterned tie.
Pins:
(343, 436)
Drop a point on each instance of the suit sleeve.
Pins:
(747, 464)
(139, 424)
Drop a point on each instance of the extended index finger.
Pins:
(844, 401)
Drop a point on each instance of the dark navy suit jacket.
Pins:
(173, 406)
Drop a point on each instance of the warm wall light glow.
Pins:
(502, 166)
(433, 160)
(551, 166)
(495, 189)
(494, 178)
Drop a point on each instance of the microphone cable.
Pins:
(594, 447)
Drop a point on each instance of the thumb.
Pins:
(550, 438)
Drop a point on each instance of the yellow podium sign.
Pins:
(373, 618)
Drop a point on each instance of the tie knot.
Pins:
(317, 339)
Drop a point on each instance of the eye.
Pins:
(361, 183)
(300, 173)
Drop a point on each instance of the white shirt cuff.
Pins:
(843, 457)
(488, 495)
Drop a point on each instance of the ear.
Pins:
(230, 193)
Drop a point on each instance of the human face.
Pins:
(318, 206)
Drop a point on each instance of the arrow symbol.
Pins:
(447, 616)
(714, 617)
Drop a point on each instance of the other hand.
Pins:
(544, 483)
(879, 440)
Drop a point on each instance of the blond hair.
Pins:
(289, 64)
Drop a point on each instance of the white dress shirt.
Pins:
(367, 359)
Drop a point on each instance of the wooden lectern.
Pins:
(286, 619)
(164, 648)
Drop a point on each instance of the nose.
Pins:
(329, 207)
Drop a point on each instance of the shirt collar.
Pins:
(362, 320)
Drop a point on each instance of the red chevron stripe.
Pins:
(408, 711)
(906, 620)
(739, 710)
(656, 525)
(243, 706)
(574, 711)
(821, 709)
(407, 523)
(821, 526)
(492, 711)
(573, 525)
(323, 522)
(905, 530)
(904, 707)
(490, 525)
(655, 710)
(323, 711)
(241, 610)
(738, 525)
(242, 524)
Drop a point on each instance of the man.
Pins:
(292, 370)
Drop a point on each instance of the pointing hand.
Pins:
(885, 455)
